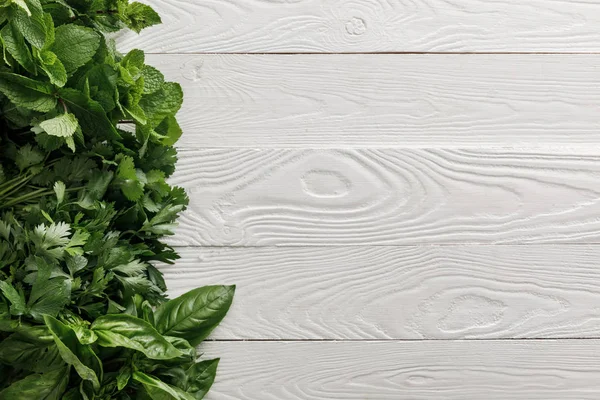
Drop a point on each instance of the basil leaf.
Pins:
(81, 357)
(31, 349)
(46, 386)
(158, 390)
(195, 314)
(122, 330)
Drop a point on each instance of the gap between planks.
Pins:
(536, 339)
(282, 53)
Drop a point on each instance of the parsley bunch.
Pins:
(86, 146)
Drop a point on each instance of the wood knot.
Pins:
(356, 26)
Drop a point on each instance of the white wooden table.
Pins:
(407, 194)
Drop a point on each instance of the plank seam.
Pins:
(536, 339)
(383, 52)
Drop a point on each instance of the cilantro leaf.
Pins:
(129, 179)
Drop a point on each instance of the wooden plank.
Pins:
(264, 197)
(336, 26)
(447, 292)
(432, 370)
(386, 100)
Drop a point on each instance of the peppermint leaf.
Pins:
(63, 125)
(75, 45)
(26, 92)
(140, 16)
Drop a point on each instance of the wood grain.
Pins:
(386, 100)
(438, 370)
(336, 26)
(263, 197)
(427, 292)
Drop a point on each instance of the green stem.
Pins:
(7, 192)
(26, 197)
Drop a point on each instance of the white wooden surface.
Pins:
(335, 26)
(421, 370)
(386, 100)
(330, 197)
(372, 208)
(408, 292)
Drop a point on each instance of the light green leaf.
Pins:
(51, 241)
(75, 45)
(27, 93)
(59, 189)
(170, 130)
(23, 5)
(47, 386)
(122, 330)
(193, 315)
(63, 125)
(53, 68)
(15, 45)
(153, 79)
(139, 16)
(32, 25)
(158, 390)
(81, 357)
(165, 101)
(129, 181)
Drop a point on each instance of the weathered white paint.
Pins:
(259, 197)
(241, 26)
(391, 370)
(386, 100)
(423, 292)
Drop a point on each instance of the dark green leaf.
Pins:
(200, 377)
(90, 114)
(15, 45)
(121, 330)
(48, 295)
(15, 297)
(81, 357)
(193, 315)
(27, 93)
(158, 390)
(32, 27)
(31, 349)
(47, 386)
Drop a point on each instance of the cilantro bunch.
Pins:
(86, 147)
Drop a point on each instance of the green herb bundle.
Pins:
(86, 146)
